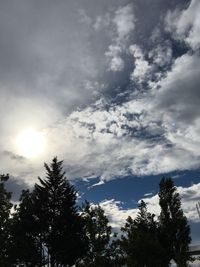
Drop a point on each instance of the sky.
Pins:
(109, 87)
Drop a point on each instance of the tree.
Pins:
(140, 241)
(175, 231)
(50, 220)
(25, 248)
(117, 254)
(5, 207)
(98, 233)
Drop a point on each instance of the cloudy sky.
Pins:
(112, 88)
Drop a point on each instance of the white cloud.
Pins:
(148, 194)
(189, 197)
(102, 22)
(156, 132)
(142, 66)
(106, 135)
(117, 64)
(117, 215)
(161, 55)
(114, 56)
(185, 24)
(84, 17)
(124, 21)
(123, 27)
(178, 104)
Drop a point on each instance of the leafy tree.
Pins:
(98, 233)
(140, 242)
(175, 231)
(5, 207)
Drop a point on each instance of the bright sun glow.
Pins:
(30, 143)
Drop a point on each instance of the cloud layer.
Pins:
(113, 87)
(115, 93)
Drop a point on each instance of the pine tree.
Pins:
(5, 207)
(50, 220)
(175, 231)
(98, 233)
(25, 247)
(61, 227)
(117, 254)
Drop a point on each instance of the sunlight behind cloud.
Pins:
(30, 143)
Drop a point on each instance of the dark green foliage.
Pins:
(49, 220)
(150, 243)
(5, 206)
(140, 241)
(118, 256)
(98, 233)
(25, 248)
(59, 224)
(175, 231)
(47, 229)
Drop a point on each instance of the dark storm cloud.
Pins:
(51, 48)
(13, 156)
(12, 185)
(180, 94)
(41, 48)
(150, 15)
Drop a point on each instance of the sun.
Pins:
(30, 143)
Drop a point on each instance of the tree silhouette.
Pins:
(175, 231)
(5, 206)
(98, 233)
(25, 246)
(118, 257)
(50, 220)
(140, 241)
(47, 229)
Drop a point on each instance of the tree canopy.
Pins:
(5, 207)
(174, 228)
(50, 221)
(98, 233)
(140, 241)
(48, 228)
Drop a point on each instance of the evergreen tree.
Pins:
(117, 254)
(98, 233)
(175, 231)
(50, 220)
(140, 241)
(25, 248)
(5, 207)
